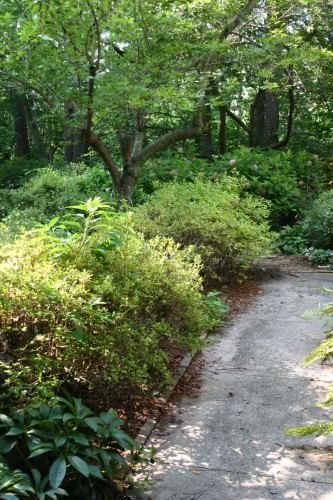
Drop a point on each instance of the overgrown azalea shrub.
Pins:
(227, 229)
(107, 315)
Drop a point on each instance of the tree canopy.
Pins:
(130, 78)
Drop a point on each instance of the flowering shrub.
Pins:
(289, 180)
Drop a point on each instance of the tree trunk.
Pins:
(222, 130)
(34, 130)
(206, 139)
(20, 124)
(265, 118)
(75, 143)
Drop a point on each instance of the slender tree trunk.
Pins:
(20, 124)
(222, 130)
(34, 129)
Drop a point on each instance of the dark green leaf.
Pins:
(57, 472)
(79, 464)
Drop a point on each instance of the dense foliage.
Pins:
(318, 222)
(289, 180)
(62, 449)
(87, 304)
(228, 230)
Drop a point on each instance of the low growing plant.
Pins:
(62, 449)
(292, 240)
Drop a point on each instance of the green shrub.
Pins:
(48, 193)
(318, 222)
(291, 239)
(287, 179)
(320, 256)
(62, 449)
(14, 173)
(229, 231)
(82, 306)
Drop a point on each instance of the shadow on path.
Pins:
(229, 442)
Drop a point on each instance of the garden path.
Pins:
(228, 442)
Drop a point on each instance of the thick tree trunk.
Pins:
(20, 124)
(265, 118)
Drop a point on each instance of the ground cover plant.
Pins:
(227, 229)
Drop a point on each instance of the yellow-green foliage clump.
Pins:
(82, 314)
(227, 229)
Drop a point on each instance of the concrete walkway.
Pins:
(229, 442)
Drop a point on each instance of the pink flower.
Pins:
(232, 163)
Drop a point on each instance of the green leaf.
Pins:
(41, 449)
(79, 464)
(6, 444)
(4, 419)
(92, 423)
(15, 431)
(60, 440)
(123, 439)
(57, 472)
(95, 471)
(80, 439)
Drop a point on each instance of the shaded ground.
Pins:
(227, 441)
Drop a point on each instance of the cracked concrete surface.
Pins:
(229, 442)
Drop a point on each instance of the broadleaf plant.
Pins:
(59, 444)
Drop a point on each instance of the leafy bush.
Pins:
(320, 256)
(14, 173)
(62, 449)
(318, 222)
(287, 179)
(81, 306)
(48, 193)
(292, 240)
(229, 231)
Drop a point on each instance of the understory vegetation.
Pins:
(150, 153)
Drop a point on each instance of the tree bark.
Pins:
(20, 124)
(34, 129)
(75, 143)
(266, 118)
